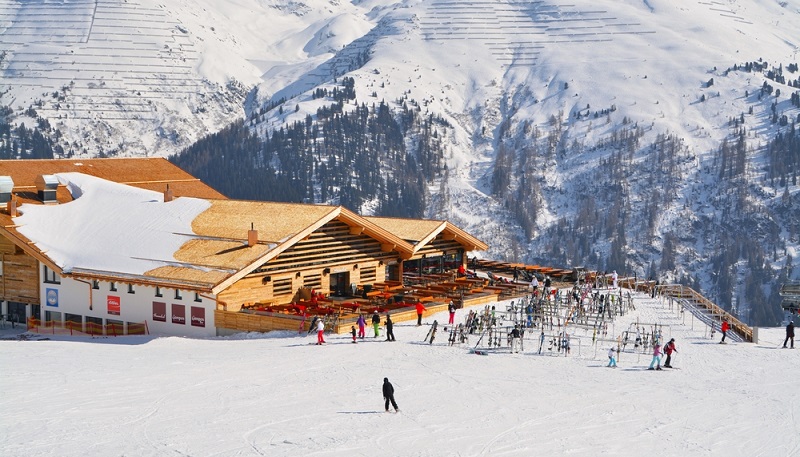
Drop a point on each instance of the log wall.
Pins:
(20, 278)
(334, 248)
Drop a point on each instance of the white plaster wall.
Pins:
(73, 298)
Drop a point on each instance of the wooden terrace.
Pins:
(435, 291)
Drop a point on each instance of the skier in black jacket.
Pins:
(389, 328)
(789, 334)
(388, 395)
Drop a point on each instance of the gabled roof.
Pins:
(152, 173)
(146, 173)
(285, 229)
(113, 231)
(420, 232)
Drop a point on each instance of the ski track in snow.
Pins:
(279, 396)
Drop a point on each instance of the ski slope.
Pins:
(279, 395)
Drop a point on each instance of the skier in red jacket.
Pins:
(420, 310)
(669, 348)
(724, 329)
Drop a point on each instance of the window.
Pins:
(197, 297)
(158, 292)
(50, 276)
(178, 294)
(112, 286)
(312, 281)
(282, 286)
(95, 284)
(369, 274)
(131, 289)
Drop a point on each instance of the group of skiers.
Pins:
(655, 363)
(376, 324)
(376, 327)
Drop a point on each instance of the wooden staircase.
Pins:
(706, 311)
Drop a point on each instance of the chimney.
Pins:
(252, 236)
(168, 196)
(11, 206)
(46, 185)
(6, 187)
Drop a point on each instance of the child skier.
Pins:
(353, 332)
(612, 361)
(656, 357)
(320, 331)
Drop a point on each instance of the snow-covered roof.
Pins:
(116, 231)
(109, 226)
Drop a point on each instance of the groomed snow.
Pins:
(278, 395)
(110, 226)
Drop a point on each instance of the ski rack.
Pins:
(555, 315)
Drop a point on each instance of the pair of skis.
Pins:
(432, 332)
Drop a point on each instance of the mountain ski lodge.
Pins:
(133, 246)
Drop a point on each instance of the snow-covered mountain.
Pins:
(602, 122)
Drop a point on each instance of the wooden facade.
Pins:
(334, 249)
(20, 274)
(237, 253)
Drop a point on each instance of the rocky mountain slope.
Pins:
(652, 137)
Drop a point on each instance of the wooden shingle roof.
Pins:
(420, 232)
(411, 230)
(190, 242)
(152, 173)
(215, 253)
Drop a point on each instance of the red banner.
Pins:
(113, 305)
(198, 316)
(179, 314)
(159, 311)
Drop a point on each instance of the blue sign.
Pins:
(52, 297)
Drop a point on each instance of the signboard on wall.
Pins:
(198, 316)
(113, 305)
(159, 311)
(178, 314)
(52, 297)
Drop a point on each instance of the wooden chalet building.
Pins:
(129, 246)
(438, 246)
